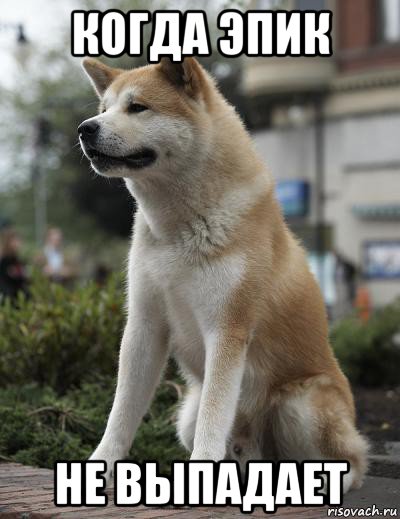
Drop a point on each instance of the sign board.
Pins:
(293, 195)
(324, 269)
(381, 259)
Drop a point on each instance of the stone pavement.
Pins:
(378, 491)
(386, 460)
(27, 493)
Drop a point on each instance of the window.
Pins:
(302, 5)
(269, 5)
(389, 15)
(310, 5)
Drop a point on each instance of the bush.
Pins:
(58, 364)
(61, 337)
(38, 427)
(369, 353)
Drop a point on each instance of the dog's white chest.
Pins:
(195, 295)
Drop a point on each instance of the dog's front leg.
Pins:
(142, 357)
(225, 361)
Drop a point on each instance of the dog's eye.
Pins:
(135, 108)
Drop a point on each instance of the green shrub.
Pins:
(61, 337)
(58, 366)
(369, 352)
(38, 427)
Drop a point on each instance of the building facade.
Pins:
(332, 125)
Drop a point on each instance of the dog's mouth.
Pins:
(142, 158)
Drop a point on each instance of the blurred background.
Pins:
(329, 131)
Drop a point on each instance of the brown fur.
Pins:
(294, 396)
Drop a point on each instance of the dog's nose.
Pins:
(88, 129)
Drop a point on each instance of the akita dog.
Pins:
(216, 279)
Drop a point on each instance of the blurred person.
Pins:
(13, 278)
(54, 261)
(345, 277)
(101, 274)
(346, 273)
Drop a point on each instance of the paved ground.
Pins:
(381, 492)
(27, 493)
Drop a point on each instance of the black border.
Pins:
(141, 481)
(98, 32)
(181, 23)
(83, 465)
(216, 467)
(274, 15)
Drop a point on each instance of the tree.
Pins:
(53, 93)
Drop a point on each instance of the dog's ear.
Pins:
(101, 76)
(188, 75)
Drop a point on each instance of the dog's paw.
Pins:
(110, 456)
(207, 455)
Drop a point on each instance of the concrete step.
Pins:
(385, 462)
(27, 493)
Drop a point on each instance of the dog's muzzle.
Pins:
(88, 133)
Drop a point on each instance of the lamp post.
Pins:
(297, 118)
(41, 139)
(320, 188)
(19, 30)
(21, 38)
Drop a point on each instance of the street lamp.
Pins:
(41, 133)
(297, 117)
(320, 186)
(21, 38)
(40, 141)
(18, 28)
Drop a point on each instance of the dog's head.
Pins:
(152, 119)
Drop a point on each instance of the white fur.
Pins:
(168, 292)
(186, 214)
(182, 278)
(218, 403)
(123, 134)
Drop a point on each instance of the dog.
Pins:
(215, 279)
